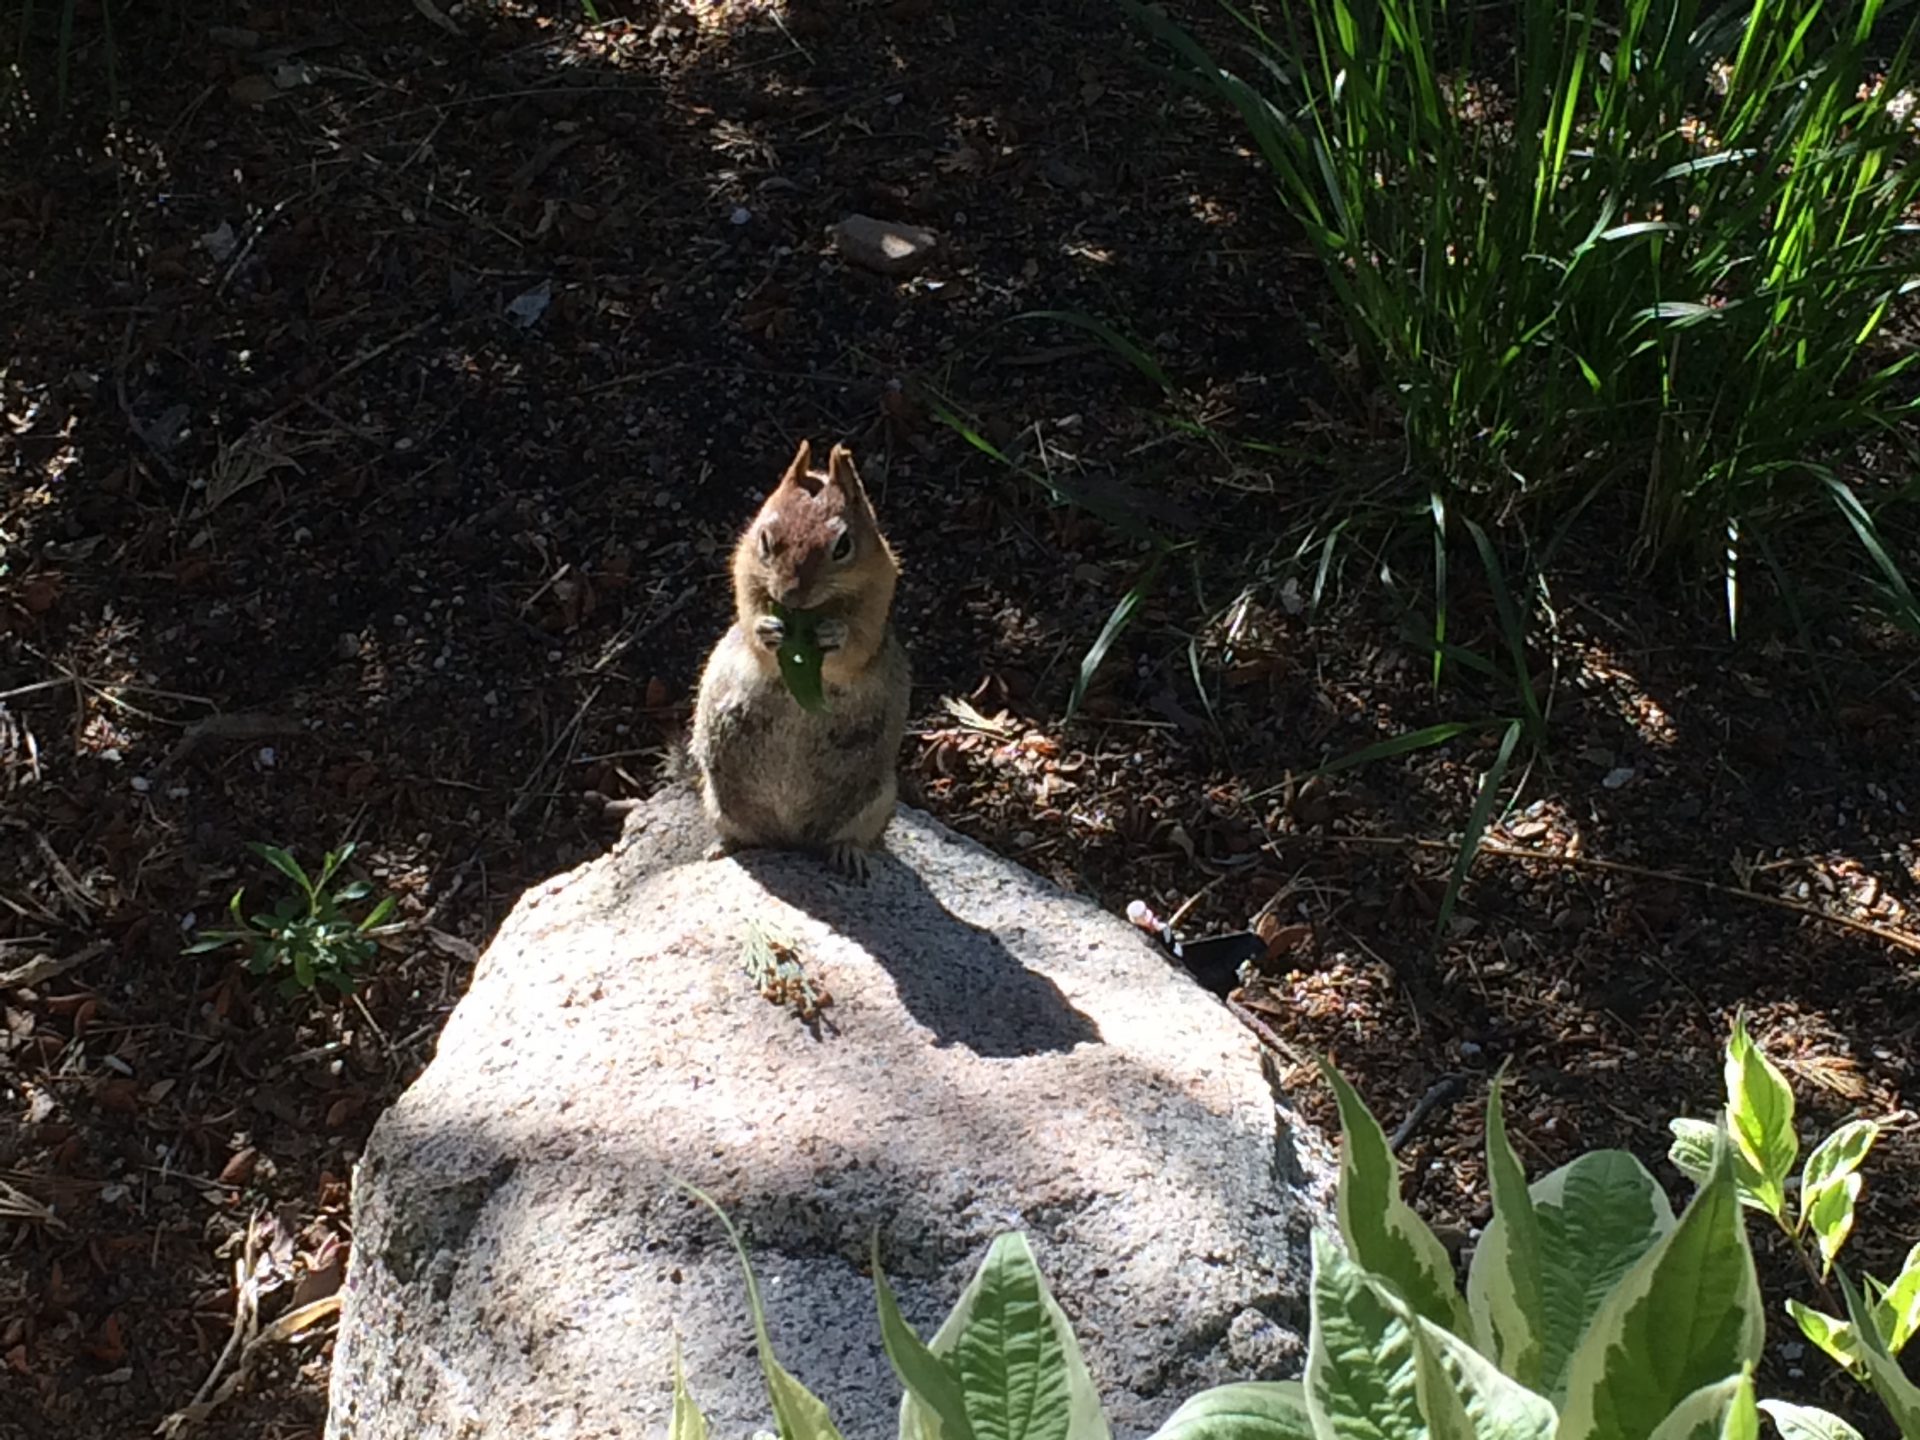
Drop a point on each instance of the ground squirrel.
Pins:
(771, 772)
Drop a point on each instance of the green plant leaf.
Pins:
(1692, 1148)
(1598, 1216)
(1393, 745)
(1464, 1395)
(1384, 1233)
(798, 1413)
(1831, 1217)
(1724, 1410)
(801, 658)
(1010, 1356)
(1116, 625)
(379, 913)
(1687, 1314)
(1361, 1380)
(1126, 349)
(1900, 594)
(994, 1331)
(284, 862)
(687, 1422)
(1896, 1314)
(1760, 1119)
(1833, 1336)
(1828, 1170)
(1504, 1285)
(1514, 631)
(1805, 1422)
(927, 1377)
(1490, 787)
(1883, 1373)
(1250, 1410)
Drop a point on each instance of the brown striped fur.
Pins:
(770, 772)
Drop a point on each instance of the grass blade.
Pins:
(1512, 631)
(1906, 609)
(1384, 750)
(1117, 623)
(1439, 507)
(1126, 349)
(1477, 820)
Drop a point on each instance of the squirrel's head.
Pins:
(815, 542)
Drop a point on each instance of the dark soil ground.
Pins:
(309, 532)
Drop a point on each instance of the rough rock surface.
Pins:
(997, 1055)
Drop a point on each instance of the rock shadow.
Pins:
(960, 981)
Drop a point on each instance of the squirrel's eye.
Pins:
(766, 546)
(843, 548)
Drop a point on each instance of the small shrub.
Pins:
(307, 939)
(1880, 1321)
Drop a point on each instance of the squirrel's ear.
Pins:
(840, 470)
(797, 471)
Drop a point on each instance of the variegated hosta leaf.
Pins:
(1692, 1149)
(1598, 1216)
(1504, 1290)
(1805, 1422)
(1015, 1355)
(1382, 1230)
(1465, 1396)
(1361, 1379)
(1760, 1119)
(1377, 1370)
(1686, 1315)
(1253, 1410)
(1724, 1410)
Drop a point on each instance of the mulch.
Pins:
(384, 387)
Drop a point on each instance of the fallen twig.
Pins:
(244, 1343)
(47, 967)
(230, 727)
(18, 1205)
(1614, 867)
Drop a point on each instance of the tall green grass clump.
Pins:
(1645, 244)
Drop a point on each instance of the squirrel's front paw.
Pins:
(770, 630)
(850, 859)
(831, 634)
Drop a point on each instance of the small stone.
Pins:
(885, 247)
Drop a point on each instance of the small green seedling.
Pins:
(307, 938)
(801, 658)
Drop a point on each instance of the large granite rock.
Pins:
(997, 1055)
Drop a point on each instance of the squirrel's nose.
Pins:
(790, 597)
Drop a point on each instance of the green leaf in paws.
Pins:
(801, 658)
